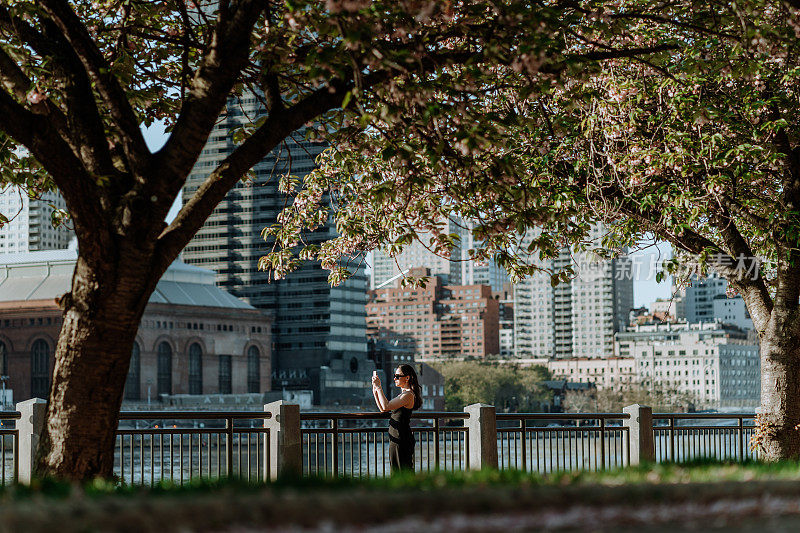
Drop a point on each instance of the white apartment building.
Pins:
(713, 361)
(30, 226)
(705, 299)
(699, 298)
(506, 332)
(534, 317)
(732, 311)
(577, 318)
(605, 373)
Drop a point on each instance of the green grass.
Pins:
(216, 505)
(697, 471)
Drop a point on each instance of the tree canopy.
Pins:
(79, 78)
(672, 118)
(697, 145)
(678, 144)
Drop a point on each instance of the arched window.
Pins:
(133, 384)
(225, 374)
(3, 359)
(195, 369)
(253, 370)
(164, 368)
(40, 369)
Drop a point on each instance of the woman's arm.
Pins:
(377, 393)
(405, 399)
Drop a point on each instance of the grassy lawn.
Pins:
(216, 505)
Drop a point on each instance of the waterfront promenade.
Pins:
(257, 446)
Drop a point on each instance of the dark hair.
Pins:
(413, 383)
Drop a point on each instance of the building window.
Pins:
(253, 370)
(3, 360)
(195, 369)
(164, 368)
(132, 384)
(40, 369)
(224, 374)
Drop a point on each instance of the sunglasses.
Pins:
(398, 376)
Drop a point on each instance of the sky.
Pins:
(645, 288)
(155, 138)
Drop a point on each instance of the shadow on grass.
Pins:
(701, 470)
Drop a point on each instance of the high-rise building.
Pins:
(478, 272)
(458, 269)
(418, 254)
(30, 226)
(577, 318)
(732, 311)
(314, 323)
(505, 299)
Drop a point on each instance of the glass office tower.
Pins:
(314, 322)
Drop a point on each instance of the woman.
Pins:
(401, 440)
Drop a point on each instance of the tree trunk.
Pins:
(101, 318)
(779, 422)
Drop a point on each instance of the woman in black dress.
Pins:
(401, 440)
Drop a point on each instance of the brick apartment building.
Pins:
(436, 320)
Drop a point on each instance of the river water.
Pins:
(179, 458)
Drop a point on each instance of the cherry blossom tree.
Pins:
(698, 146)
(79, 79)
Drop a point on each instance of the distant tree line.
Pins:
(661, 399)
(510, 388)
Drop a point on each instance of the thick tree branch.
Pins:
(107, 85)
(218, 72)
(741, 211)
(278, 125)
(753, 289)
(787, 292)
(85, 126)
(619, 53)
(38, 135)
(14, 80)
(26, 33)
(743, 271)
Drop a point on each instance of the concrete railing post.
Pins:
(640, 433)
(30, 425)
(482, 436)
(285, 450)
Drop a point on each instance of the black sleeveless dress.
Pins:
(401, 440)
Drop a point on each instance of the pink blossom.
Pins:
(35, 96)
